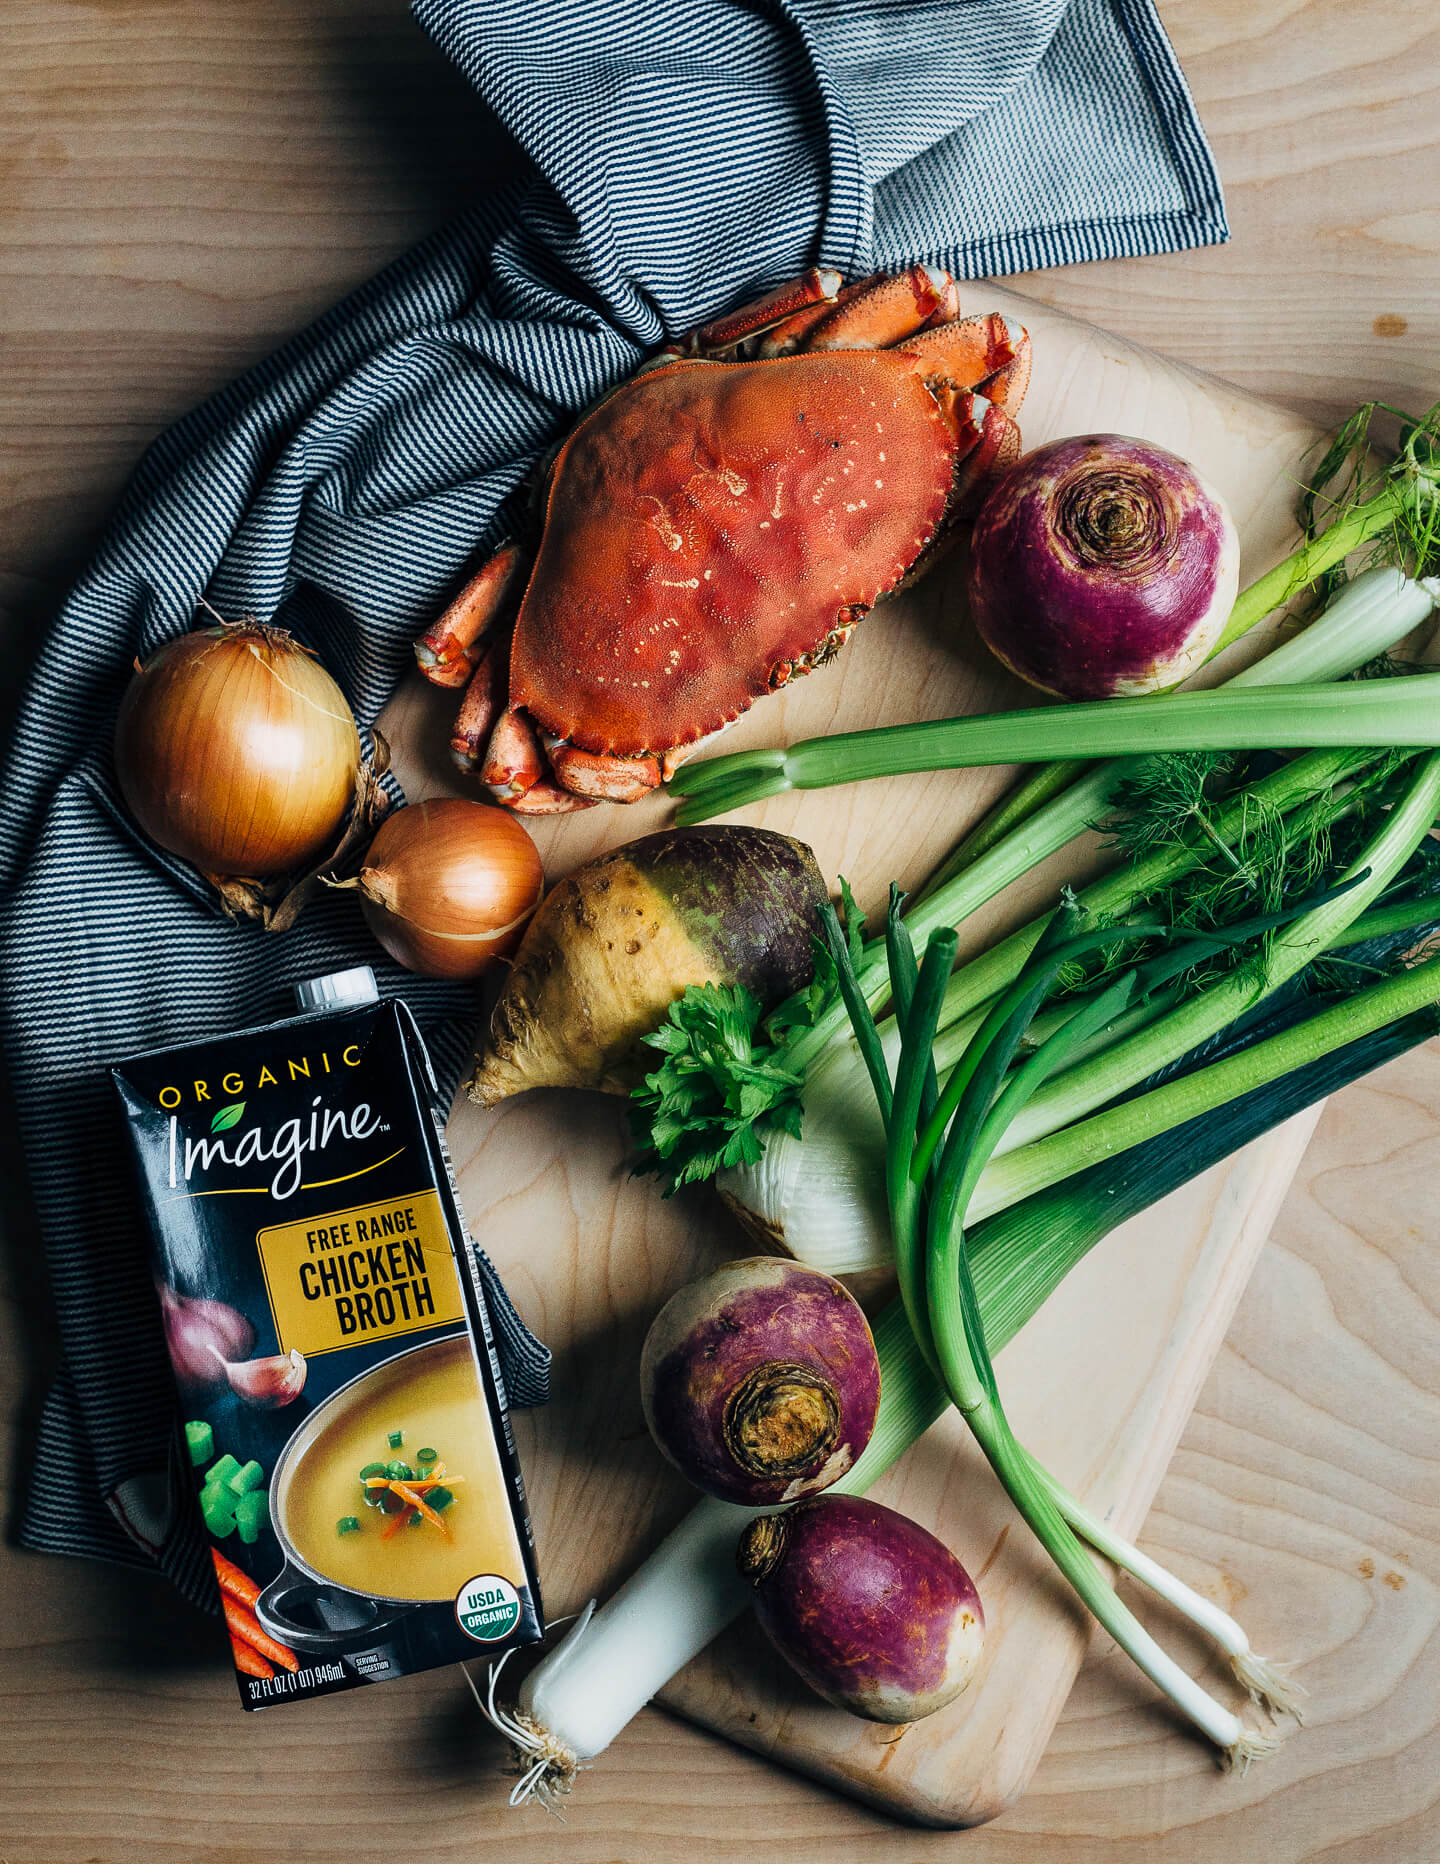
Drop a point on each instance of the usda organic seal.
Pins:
(488, 1608)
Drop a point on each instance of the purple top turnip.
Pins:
(872, 1610)
(1102, 566)
(761, 1382)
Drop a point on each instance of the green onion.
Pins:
(220, 1472)
(586, 1690)
(427, 1455)
(348, 1524)
(397, 1438)
(956, 1338)
(249, 1477)
(217, 1506)
(252, 1515)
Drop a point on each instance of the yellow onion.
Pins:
(447, 886)
(237, 751)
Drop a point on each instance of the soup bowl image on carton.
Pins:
(358, 1592)
(345, 1426)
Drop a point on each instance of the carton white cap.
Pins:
(338, 990)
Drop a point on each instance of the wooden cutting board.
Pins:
(1099, 1385)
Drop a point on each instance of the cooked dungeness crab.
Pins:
(718, 525)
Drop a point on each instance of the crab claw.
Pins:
(604, 778)
(514, 762)
(996, 446)
(986, 442)
(989, 353)
(452, 646)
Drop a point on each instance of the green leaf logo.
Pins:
(227, 1117)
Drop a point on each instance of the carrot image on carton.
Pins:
(344, 1425)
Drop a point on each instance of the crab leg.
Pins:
(948, 309)
(483, 702)
(817, 285)
(605, 778)
(989, 353)
(448, 650)
(886, 312)
(547, 798)
(514, 762)
(789, 336)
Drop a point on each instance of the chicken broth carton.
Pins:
(345, 1431)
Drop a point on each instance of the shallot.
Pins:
(448, 886)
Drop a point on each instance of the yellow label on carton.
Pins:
(369, 1273)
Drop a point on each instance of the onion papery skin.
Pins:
(875, 1613)
(449, 886)
(1102, 566)
(235, 750)
(761, 1381)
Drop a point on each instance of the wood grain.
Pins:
(181, 186)
(1138, 1358)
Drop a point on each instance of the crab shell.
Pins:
(714, 527)
(719, 524)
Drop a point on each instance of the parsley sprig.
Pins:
(725, 1079)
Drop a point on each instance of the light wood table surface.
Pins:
(181, 187)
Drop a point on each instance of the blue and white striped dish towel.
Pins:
(681, 157)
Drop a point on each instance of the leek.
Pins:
(617, 1657)
(1023, 1172)
(931, 1197)
(939, 1294)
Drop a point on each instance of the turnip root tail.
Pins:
(613, 946)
